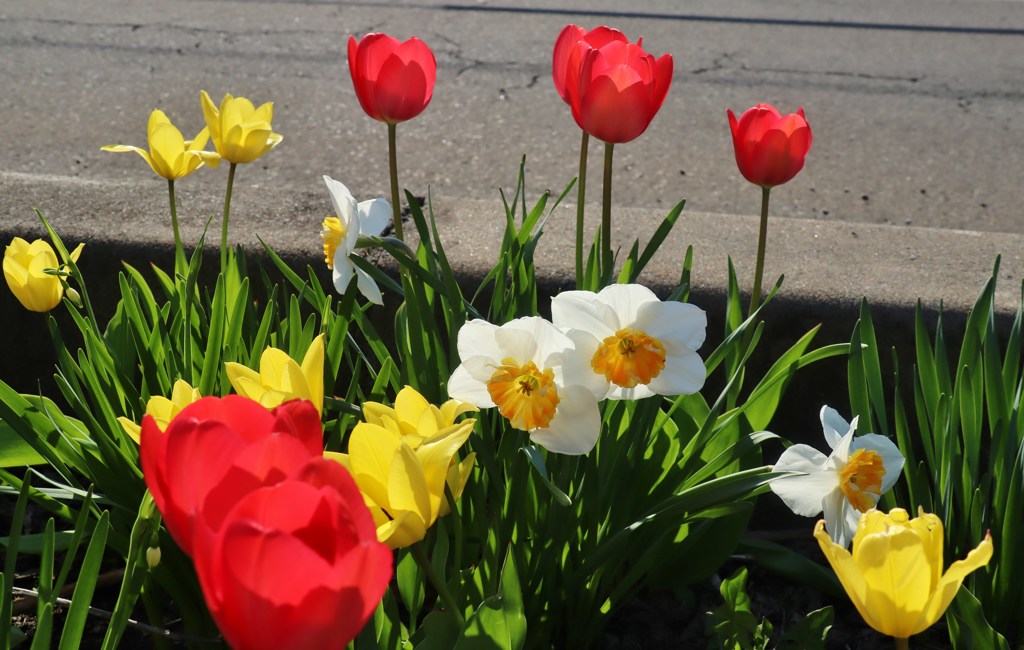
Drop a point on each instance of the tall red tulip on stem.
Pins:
(394, 82)
(770, 150)
(619, 90)
(564, 77)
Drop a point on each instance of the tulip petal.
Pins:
(898, 578)
(950, 583)
(847, 571)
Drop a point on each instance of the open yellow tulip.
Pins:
(162, 409)
(894, 575)
(281, 379)
(25, 267)
(240, 132)
(170, 155)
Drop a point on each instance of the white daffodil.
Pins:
(340, 234)
(844, 484)
(636, 344)
(519, 368)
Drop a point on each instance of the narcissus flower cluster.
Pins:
(547, 378)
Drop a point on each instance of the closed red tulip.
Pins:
(394, 81)
(294, 565)
(770, 147)
(619, 90)
(564, 45)
(219, 449)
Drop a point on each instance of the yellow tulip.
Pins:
(281, 379)
(170, 155)
(162, 409)
(417, 420)
(894, 575)
(403, 457)
(240, 132)
(25, 267)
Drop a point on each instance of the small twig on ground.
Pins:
(102, 613)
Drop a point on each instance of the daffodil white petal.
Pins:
(576, 364)
(576, 426)
(464, 387)
(374, 216)
(581, 310)
(675, 324)
(342, 200)
(803, 494)
(892, 459)
(625, 301)
(476, 338)
(684, 374)
(840, 518)
(515, 342)
(549, 341)
(834, 426)
(368, 287)
(343, 271)
(840, 453)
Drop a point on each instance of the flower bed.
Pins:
(275, 469)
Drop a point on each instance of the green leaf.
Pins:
(810, 632)
(11, 559)
(968, 629)
(499, 622)
(541, 471)
(85, 586)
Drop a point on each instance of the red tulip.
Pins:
(219, 449)
(770, 147)
(619, 90)
(394, 81)
(564, 45)
(294, 565)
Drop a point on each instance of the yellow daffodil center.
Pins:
(861, 479)
(526, 395)
(628, 358)
(332, 234)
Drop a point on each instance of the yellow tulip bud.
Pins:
(280, 378)
(29, 271)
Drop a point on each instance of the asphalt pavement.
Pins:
(911, 188)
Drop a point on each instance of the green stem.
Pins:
(224, 224)
(439, 585)
(902, 644)
(755, 295)
(179, 252)
(581, 196)
(608, 263)
(396, 209)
